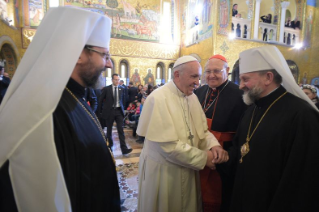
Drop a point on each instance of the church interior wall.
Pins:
(145, 49)
(305, 58)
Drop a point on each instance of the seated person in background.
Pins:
(235, 11)
(295, 24)
(137, 112)
(131, 110)
(91, 98)
(266, 19)
(288, 22)
(312, 92)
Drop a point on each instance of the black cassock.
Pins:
(229, 109)
(281, 170)
(227, 114)
(87, 164)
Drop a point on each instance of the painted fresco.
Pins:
(130, 19)
(308, 25)
(35, 12)
(196, 18)
(315, 81)
(224, 12)
(136, 78)
(149, 78)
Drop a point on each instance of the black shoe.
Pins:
(139, 141)
(128, 151)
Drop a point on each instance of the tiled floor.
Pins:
(127, 169)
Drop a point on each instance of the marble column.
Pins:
(284, 6)
(256, 25)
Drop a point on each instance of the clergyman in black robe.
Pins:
(222, 103)
(54, 148)
(276, 144)
(87, 164)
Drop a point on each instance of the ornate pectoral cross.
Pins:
(244, 149)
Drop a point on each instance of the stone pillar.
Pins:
(256, 25)
(284, 6)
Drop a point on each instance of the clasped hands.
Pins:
(215, 156)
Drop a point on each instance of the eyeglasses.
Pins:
(103, 55)
(214, 71)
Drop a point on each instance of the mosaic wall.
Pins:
(224, 16)
(130, 18)
(197, 17)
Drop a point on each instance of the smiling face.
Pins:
(252, 85)
(215, 72)
(90, 66)
(186, 77)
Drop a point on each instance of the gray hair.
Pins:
(277, 77)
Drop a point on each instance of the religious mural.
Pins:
(149, 78)
(315, 81)
(224, 12)
(308, 25)
(35, 12)
(3, 9)
(130, 19)
(136, 78)
(196, 18)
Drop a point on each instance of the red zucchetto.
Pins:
(218, 56)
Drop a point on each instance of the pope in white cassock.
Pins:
(177, 144)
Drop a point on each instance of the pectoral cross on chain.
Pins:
(190, 137)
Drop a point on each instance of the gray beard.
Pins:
(252, 95)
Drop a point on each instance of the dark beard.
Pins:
(90, 79)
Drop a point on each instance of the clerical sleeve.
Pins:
(209, 141)
(181, 153)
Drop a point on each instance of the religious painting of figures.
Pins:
(198, 20)
(136, 78)
(315, 81)
(149, 78)
(308, 25)
(223, 16)
(131, 19)
(35, 12)
(3, 9)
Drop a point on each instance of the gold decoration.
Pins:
(245, 147)
(124, 48)
(27, 36)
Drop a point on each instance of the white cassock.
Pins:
(169, 162)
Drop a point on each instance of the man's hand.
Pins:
(209, 162)
(219, 155)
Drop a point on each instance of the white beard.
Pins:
(247, 99)
(252, 95)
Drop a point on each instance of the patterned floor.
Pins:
(127, 170)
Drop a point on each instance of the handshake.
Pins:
(215, 156)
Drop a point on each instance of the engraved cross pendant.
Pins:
(190, 137)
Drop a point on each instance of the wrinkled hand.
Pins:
(209, 162)
(219, 155)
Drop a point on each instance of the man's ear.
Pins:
(82, 58)
(227, 70)
(269, 78)
(176, 74)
